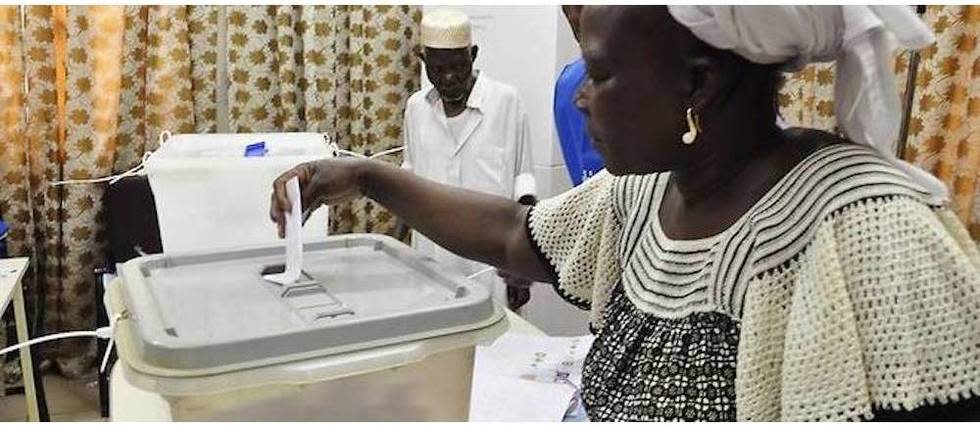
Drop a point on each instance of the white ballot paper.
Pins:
(294, 238)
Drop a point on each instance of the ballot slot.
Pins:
(280, 268)
(307, 297)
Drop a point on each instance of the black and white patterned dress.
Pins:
(643, 368)
(669, 314)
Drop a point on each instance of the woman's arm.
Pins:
(474, 225)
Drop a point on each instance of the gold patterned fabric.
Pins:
(945, 110)
(346, 71)
(86, 90)
(12, 146)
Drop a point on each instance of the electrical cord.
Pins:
(105, 332)
(362, 156)
(137, 170)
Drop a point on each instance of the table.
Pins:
(129, 403)
(11, 290)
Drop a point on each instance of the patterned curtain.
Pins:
(945, 110)
(346, 71)
(85, 91)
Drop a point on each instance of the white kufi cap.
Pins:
(446, 29)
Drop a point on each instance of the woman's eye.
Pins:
(598, 77)
(596, 74)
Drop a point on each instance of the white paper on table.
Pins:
(294, 237)
(504, 399)
(527, 378)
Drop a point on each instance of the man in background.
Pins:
(581, 158)
(468, 131)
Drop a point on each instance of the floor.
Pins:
(68, 401)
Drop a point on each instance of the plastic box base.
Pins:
(434, 389)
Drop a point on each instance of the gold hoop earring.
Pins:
(693, 127)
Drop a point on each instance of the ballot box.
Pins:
(212, 191)
(371, 331)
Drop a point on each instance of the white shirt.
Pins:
(491, 154)
(457, 125)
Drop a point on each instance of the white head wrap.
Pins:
(446, 29)
(860, 39)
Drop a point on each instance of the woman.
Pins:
(733, 270)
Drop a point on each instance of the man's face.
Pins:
(449, 70)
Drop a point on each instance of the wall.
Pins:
(527, 47)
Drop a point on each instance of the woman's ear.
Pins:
(707, 82)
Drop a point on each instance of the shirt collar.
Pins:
(475, 100)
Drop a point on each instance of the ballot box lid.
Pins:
(208, 313)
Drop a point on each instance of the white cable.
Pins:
(105, 332)
(46, 338)
(164, 136)
(110, 179)
(135, 170)
(388, 152)
(488, 269)
(108, 350)
(350, 153)
(112, 341)
(340, 151)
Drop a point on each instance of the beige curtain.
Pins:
(85, 91)
(945, 117)
(12, 146)
(346, 71)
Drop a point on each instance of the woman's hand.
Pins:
(482, 227)
(518, 289)
(327, 181)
